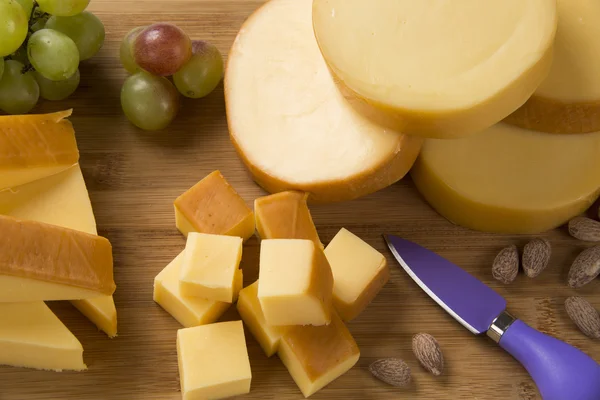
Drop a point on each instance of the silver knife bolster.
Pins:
(499, 326)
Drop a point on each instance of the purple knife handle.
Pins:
(560, 371)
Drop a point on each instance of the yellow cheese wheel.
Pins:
(568, 101)
(289, 123)
(510, 180)
(437, 68)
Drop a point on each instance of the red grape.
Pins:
(162, 49)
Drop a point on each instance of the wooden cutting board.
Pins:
(133, 178)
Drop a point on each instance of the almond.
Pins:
(584, 228)
(585, 268)
(584, 316)
(506, 265)
(536, 256)
(392, 371)
(428, 352)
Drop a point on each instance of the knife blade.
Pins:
(560, 371)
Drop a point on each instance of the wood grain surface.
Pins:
(133, 178)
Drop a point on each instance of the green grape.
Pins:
(13, 26)
(85, 29)
(20, 55)
(63, 8)
(53, 54)
(19, 92)
(27, 6)
(126, 50)
(1, 67)
(57, 90)
(149, 102)
(201, 75)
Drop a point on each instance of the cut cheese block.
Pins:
(437, 68)
(249, 308)
(291, 126)
(296, 283)
(213, 361)
(317, 355)
(35, 146)
(510, 180)
(188, 311)
(32, 336)
(359, 273)
(568, 101)
(285, 215)
(210, 266)
(213, 206)
(62, 200)
(46, 262)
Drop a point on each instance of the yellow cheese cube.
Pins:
(285, 215)
(359, 273)
(209, 266)
(213, 206)
(46, 262)
(35, 146)
(296, 283)
(32, 336)
(213, 361)
(189, 311)
(249, 309)
(317, 355)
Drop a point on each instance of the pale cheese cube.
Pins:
(296, 283)
(188, 311)
(285, 215)
(317, 355)
(359, 273)
(249, 308)
(213, 206)
(213, 361)
(209, 267)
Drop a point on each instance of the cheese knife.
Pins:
(560, 371)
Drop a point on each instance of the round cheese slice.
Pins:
(568, 101)
(437, 68)
(290, 124)
(510, 180)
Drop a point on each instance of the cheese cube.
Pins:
(285, 215)
(188, 311)
(46, 262)
(359, 273)
(317, 355)
(213, 361)
(213, 206)
(296, 283)
(209, 266)
(249, 309)
(32, 336)
(35, 146)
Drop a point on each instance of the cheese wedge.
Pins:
(213, 206)
(249, 308)
(568, 100)
(437, 68)
(317, 355)
(62, 200)
(359, 273)
(188, 311)
(296, 283)
(213, 361)
(285, 215)
(291, 126)
(32, 336)
(45, 262)
(510, 180)
(35, 146)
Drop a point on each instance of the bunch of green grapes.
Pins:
(152, 53)
(41, 45)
